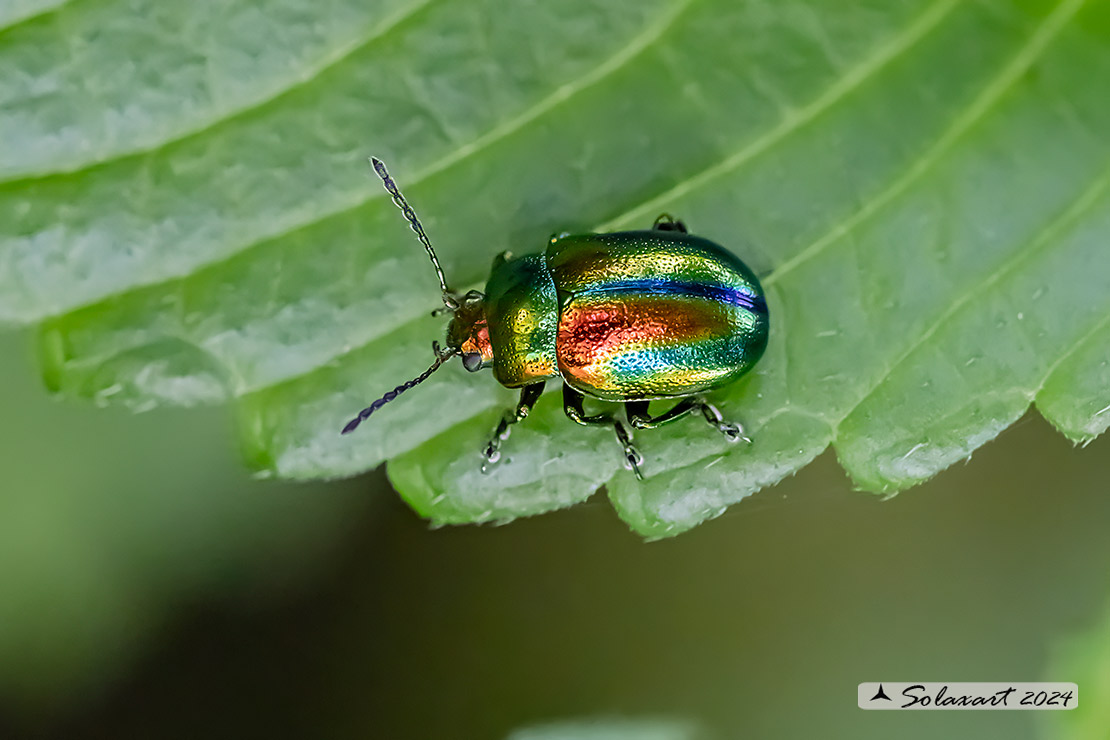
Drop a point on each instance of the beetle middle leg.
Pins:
(640, 418)
(572, 407)
(529, 394)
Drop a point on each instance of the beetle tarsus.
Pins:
(492, 452)
(528, 397)
(491, 455)
(640, 418)
(632, 457)
(733, 432)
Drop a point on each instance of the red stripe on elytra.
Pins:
(589, 334)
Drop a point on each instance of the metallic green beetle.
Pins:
(629, 317)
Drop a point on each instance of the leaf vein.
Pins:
(18, 20)
(1065, 356)
(1078, 208)
(900, 44)
(637, 45)
(306, 76)
(982, 105)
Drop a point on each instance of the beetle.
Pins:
(629, 317)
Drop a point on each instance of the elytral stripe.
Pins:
(739, 296)
(659, 372)
(592, 330)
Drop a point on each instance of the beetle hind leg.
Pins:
(528, 397)
(733, 431)
(632, 457)
(572, 407)
(640, 418)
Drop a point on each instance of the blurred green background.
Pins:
(150, 588)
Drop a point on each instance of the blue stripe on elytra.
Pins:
(663, 286)
(645, 363)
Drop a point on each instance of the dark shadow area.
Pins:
(759, 623)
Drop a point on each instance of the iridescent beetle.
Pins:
(629, 316)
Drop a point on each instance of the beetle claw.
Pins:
(632, 461)
(733, 432)
(490, 457)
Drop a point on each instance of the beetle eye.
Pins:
(472, 361)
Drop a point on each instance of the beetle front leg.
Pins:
(572, 407)
(528, 397)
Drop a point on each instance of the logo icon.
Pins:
(880, 694)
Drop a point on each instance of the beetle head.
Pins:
(468, 332)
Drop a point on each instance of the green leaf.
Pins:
(924, 186)
(13, 12)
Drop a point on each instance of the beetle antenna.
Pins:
(442, 356)
(410, 215)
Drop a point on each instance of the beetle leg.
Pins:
(639, 418)
(667, 222)
(632, 457)
(528, 397)
(733, 432)
(572, 407)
